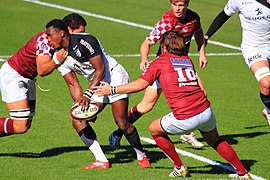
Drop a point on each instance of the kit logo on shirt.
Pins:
(185, 29)
(78, 53)
(44, 47)
(258, 11)
(88, 46)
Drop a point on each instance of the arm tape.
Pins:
(88, 93)
(113, 90)
(21, 114)
(55, 59)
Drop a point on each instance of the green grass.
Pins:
(52, 150)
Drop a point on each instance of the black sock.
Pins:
(88, 135)
(134, 139)
(265, 100)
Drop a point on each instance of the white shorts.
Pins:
(254, 54)
(14, 87)
(118, 76)
(155, 85)
(205, 121)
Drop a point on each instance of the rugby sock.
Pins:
(133, 116)
(6, 127)
(227, 152)
(97, 151)
(134, 140)
(266, 101)
(88, 136)
(167, 146)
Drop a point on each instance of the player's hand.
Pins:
(83, 101)
(103, 90)
(203, 61)
(143, 65)
(61, 55)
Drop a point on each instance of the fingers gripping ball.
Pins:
(78, 112)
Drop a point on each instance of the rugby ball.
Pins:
(79, 113)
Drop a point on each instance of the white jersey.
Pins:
(255, 21)
(85, 68)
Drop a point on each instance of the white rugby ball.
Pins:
(77, 112)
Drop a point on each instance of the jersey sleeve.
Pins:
(231, 7)
(151, 73)
(43, 47)
(162, 26)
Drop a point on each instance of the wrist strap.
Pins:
(113, 90)
(88, 93)
(55, 59)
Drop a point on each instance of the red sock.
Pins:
(6, 126)
(228, 153)
(133, 114)
(166, 145)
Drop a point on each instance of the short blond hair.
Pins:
(175, 1)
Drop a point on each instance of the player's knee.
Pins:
(21, 119)
(79, 125)
(265, 84)
(123, 124)
(263, 77)
(144, 108)
(21, 126)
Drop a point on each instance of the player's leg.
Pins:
(262, 74)
(226, 151)
(20, 118)
(257, 60)
(88, 136)
(210, 134)
(167, 146)
(151, 95)
(119, 110)
(19, 94)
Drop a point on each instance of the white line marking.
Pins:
(116, 20)
(3, 58)
(203, 159)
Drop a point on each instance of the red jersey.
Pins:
(177, 77)
(169, 21)
(24, 60)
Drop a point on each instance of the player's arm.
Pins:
(201, 84)
(100, 71)
(199, 38)
(74, 87)
(46, 64)
(145, 48)
(131, 87)
(219, 20)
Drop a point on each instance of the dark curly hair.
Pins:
(58, 24)
(74, 20)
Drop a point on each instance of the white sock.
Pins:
(97, 151)
(140, 154)
(267, 109)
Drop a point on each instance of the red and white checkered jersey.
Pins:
(169, 21)
(24, 60)
(178, 80)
